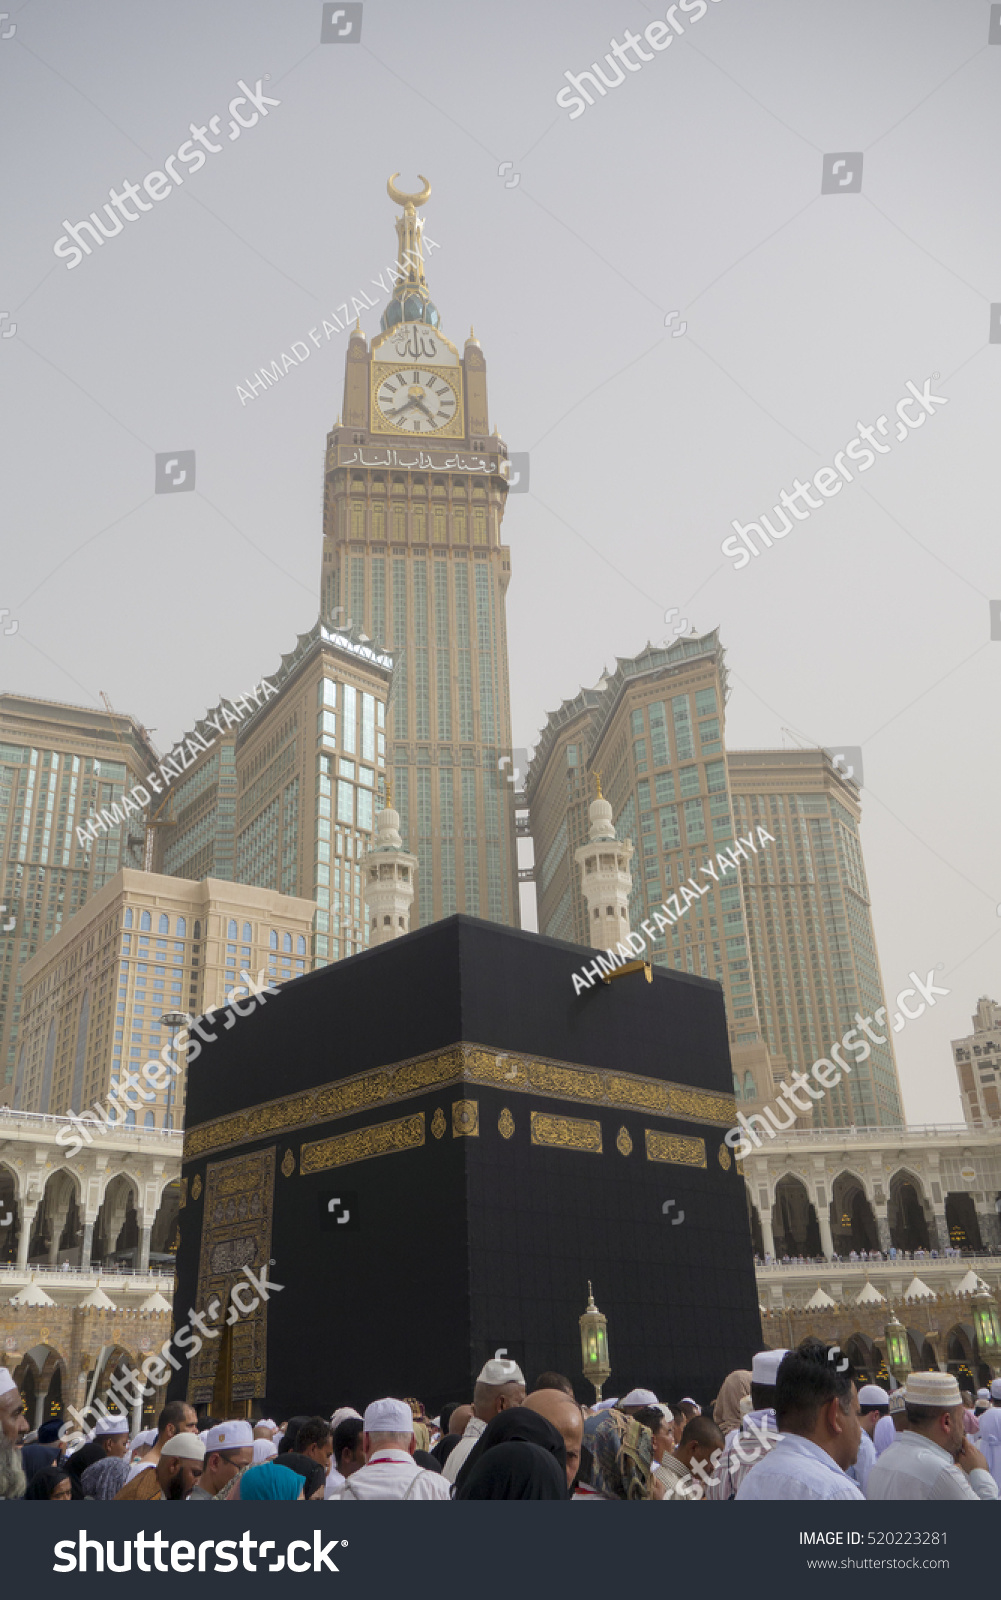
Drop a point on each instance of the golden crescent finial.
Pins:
(597, 779)
(402, 199)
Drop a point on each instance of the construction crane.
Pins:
(156, 819)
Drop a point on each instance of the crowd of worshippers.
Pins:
(796, 1425)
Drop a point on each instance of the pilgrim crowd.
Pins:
(794, 1426)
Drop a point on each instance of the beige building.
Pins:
(286, 800)
(87, 1249)
(977, 1060)
(811, 941)
(414, 496)
(145, 946)
(789, 933)
(58, 765)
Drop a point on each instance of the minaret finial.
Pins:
(389, 796)
(597, 779)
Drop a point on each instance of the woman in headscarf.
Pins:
(622, 1460)
(515, 1471)
(103, 1479)
(516, 1425)
(726, 1411)
(51, 1483)
(312, 1472)
(271, 1482)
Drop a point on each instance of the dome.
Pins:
(410, 303)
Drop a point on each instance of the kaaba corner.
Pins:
(422, 1154)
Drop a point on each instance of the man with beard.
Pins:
(13, 1427)
(935, 1459)
(174, 1475)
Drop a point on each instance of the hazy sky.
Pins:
(693, 187)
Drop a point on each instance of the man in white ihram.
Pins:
(935, 1459)
(390, 1471)
(817, 1411)
(500, 1384)
(989, 1437)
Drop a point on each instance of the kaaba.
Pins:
(433, 1147)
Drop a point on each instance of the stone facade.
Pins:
(79, 1298)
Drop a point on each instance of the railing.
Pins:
(42, 1120)
(948, 1130)
(960, 1264)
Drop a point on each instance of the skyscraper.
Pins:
(977, 1060)
(788, 932)
(654, 733)
(812, 942)
(415, 490)
(58, 765)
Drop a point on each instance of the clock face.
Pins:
(417, 400)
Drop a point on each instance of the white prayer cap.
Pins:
(639, 1397)
(7, 1384)
(342, 1413)
(765, 1367)
(686, 1400)
(996, 1389)
(111, 1425)
(604, 1405)
(388, 1416)
(871, 1394)
(496, 1372)
(228, 1436)
(266, 1422)
(896, 1401)
(983, 1394)
(186, 1445)
(933, 1389)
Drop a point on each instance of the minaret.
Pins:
(605, 877)
(390, 875)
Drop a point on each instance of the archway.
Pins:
(962, 1223)
(794, 1221)
(164, 1237)
(929, 1360)
(50, 1370)
(853, 1225)
(116, 1231)
(864, 1357)
(8, 1208)
(906, 1215)
(960, 1358)
(754, 1221)
(56, 1221)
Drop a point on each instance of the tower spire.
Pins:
(410, 301)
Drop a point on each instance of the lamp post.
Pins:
(987, 1325)
(175, 1021)
(898, 1355)
(594, 1344)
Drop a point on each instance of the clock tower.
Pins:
(414, 493)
